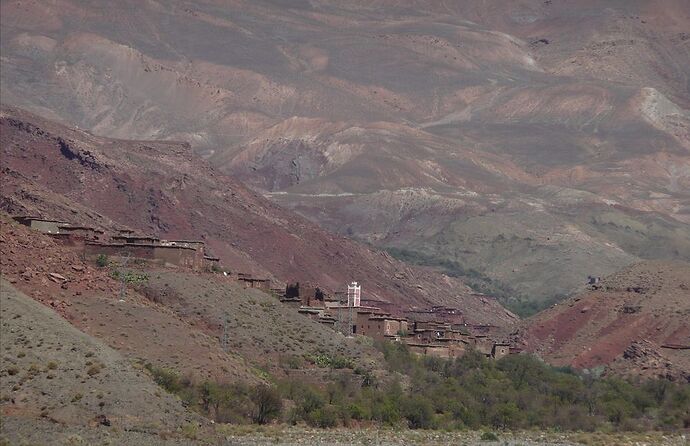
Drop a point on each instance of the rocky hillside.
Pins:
(519, 145)
(51, 370)
(633, 322)
(164, 189)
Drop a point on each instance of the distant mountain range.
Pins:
(519, 145)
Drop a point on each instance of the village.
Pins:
(436, 331)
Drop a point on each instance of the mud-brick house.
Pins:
(44, 225)
(77, 232)
(196, 262)
(500, 349)
(381, 326)
(61, 230)
(308, 295)
(426, 336)
(132, 239)
(482, 344)
(439, 350)
(318, 314)
(253, 282)
(211, 262)
(174, 252)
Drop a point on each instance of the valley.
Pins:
(345, 222)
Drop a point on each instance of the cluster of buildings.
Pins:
(437, 331)
(124, 243)
(343, 311)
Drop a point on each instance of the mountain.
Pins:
(519, 145)
(634, 322)
(163, 188)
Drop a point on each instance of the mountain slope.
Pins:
(163, 188)
(478, 135)
(52, 370)
(634, 322)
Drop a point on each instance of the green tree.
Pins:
(267, 404)
(418, 412)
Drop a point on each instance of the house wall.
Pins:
(139, 251)
(50, 227)
(438, 351)
(179, 256)
(500, 351)
(173, 255)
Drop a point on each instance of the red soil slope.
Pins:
(86, 296)
(165, 189)
(635, 321)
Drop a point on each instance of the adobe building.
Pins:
(500, 349)
(65, 232)
(380, 326)
(185, 253)
(131, 239)
(309, 295)
(211, 262)
(253, 282)
(82, 232)
(44, 225)
(438, 350)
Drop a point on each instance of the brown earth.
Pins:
(634, 322)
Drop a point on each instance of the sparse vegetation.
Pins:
(333, 362)
(489, 436)
(94, 369)
(479, 282)
(130, 277)
(102, 261)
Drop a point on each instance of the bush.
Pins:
(267, 404)
(489, 436)
(356, 412)
(323, 417)
(166, 378)
(418, 412)
(130, 277)
(102, 261)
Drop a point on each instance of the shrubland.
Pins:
(473, 392)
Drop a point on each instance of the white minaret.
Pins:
(354, 294)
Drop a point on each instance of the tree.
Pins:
(267, 404)
(418, 412)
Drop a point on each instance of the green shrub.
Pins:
(267, 404)
(323, 417)
(166, 378)
(418, 412)
(357, 412)
(489, 436)
(130, 277)
(102, 261)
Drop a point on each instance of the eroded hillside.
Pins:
(634, 322)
